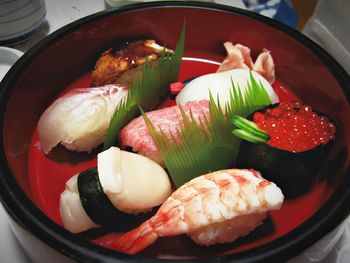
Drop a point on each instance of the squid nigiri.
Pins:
(237, 68)
(219, 84)
(79, 120)
(214, 208)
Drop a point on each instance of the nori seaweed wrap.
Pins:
(295, 172)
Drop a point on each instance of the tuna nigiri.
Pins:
(137, 135)
(214, 208)
(79, 120)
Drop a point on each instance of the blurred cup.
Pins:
(20, 19)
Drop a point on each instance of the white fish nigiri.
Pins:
(79, 120)
(132, 183)
(220, 85)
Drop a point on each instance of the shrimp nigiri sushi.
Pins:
(214, 208)
(79, 120)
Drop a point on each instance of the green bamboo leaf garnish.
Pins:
(147, 90)
(204, 146)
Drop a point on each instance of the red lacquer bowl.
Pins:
(31, 181)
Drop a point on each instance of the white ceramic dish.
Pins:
(8, 57)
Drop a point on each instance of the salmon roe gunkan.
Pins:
(294, 127)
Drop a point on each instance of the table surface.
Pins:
(60, 13)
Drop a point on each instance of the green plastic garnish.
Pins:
(147, 90)
(205, 146)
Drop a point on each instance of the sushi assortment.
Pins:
(87, 112)
(227, 185)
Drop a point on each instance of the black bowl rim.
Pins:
(27, 215)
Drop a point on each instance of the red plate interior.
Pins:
(48, 175)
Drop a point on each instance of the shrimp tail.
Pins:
(136, 240)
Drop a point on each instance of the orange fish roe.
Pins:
(294, 127)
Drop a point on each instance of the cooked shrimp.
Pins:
(214, 208)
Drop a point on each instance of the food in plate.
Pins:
(297, 144)
(79, 120)
(219, 84)
(137, 136)
(123, 181)
(294, 126)
(121, 64)
(236, 68)
(189, 139)
(238, 56)
(214, 208)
